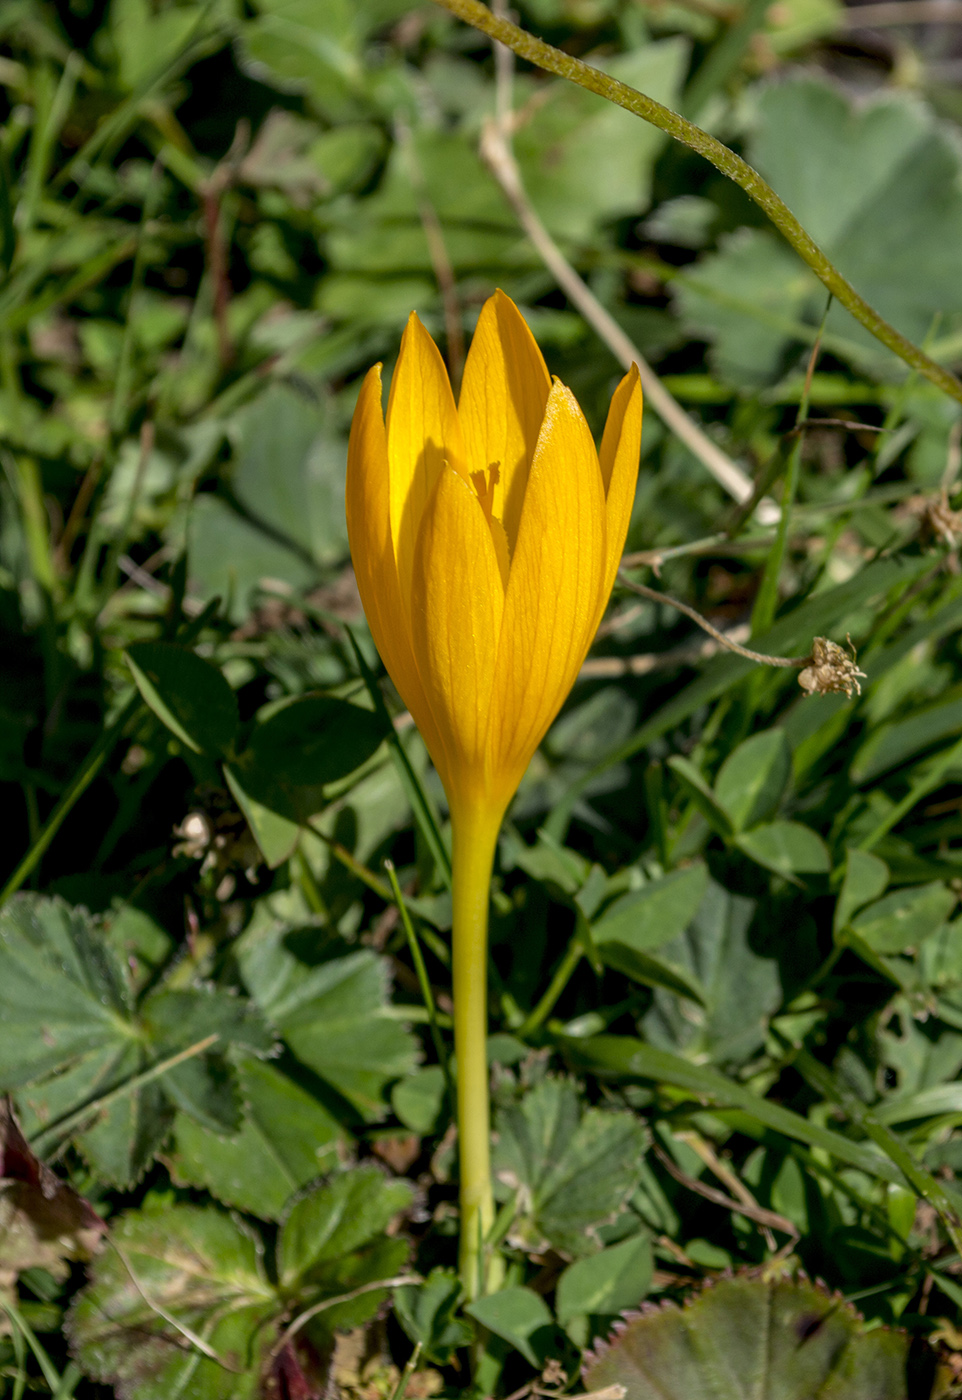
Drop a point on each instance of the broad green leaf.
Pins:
(926, 1103)
(63, 990)
(749, 1336)
(182, 1305)
(276, 836)
(419, 1099)
(316, 46)
(739, 988)
(203, 1270)
(745, 300)
(333, 1015)
(866, 877)
(610, 1281)
(289, 472)
(787, 848)
(752, 780)
(696, 788)
(303, 745)
(572, 1171)
(887, 219)
(188, 694)
(650, 971)
(905, 918)
(649, 917)
(286, 1139)
(426, 1312)
(337, 1220)
(230, 557)
(583, 161)
(69, 1035)
(521, 1317)
(145, 37)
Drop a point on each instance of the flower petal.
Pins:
(620, 450)
(372, 550)
(554, 587)
(503, 397)
(423, 433)
(457, 601)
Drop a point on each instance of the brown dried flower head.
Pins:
(831, 670)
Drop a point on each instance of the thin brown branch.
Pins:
(609, 667)
(769, 1219)
(654, 596)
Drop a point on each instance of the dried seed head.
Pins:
(831, 670)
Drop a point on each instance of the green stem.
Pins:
(475, 830)
(552, 60)
(423, 980)
(562, 976)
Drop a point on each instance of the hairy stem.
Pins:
(552, 60)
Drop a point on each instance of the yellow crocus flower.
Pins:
(485, 538)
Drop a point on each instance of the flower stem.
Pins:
(475, 831)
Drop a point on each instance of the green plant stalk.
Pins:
(418, 798)
(475, 830)
(423, 980)
(562, 976)
(552, 60)
(54, 1381)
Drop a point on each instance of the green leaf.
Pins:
(182, 1306)
(521, 1317)
(650, 971)
(303, 745)
(897, 212)
(69, 1036)
(419, 1099)
(426, 1312)
(187, 693)
(286, 1139)
(231, 558)
(739, 988)
(748, 1336)
(333, 1015)
(697, 790)
(647, 918)
(193, 1265)
(63, 990)
(276, 836)
(752, 780)
(289, 472)
(625, 1057)
(787, 848)
(335, 1221)
(905, 918)
(584, 162)
(866, 877)
(572, 1171)
(610, 1281)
